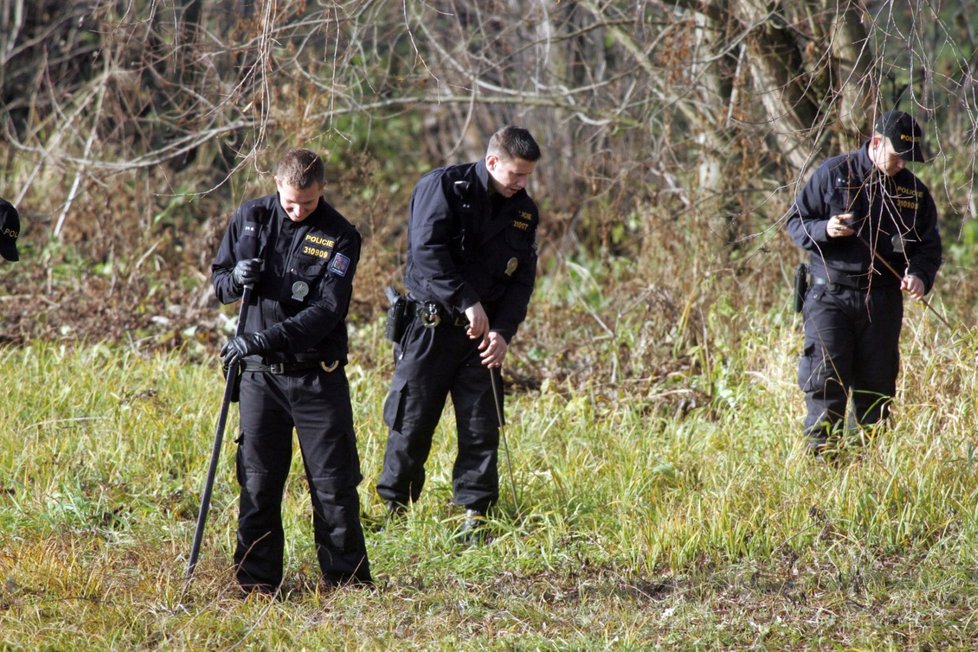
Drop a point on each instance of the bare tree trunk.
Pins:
(858, 85)
(692, 105)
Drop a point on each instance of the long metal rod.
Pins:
(880, 258)
(205, 498)
(495, 374)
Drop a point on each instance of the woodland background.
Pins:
(660, 496)
(675, 135)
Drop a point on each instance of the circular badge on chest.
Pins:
(299, 290)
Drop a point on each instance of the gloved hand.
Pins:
(247, 271)
(241, 346)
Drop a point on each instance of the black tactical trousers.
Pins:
(851, 350)
(433, 362)
(317, 404)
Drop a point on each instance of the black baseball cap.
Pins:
(905, 134)
(9, 230)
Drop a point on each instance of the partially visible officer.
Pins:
(855, 212)
(471, 267)
(9, 231)
(300, 255)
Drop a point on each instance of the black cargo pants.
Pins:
(317, 404)
(852, 340)
(433, 362)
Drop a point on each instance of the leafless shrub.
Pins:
(671, 128)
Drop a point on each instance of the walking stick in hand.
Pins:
(495, 377)
(205, 498)
(900, 276)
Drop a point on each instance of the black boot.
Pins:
(394, 512)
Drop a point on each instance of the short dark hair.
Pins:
(514, 142)
(301, 168)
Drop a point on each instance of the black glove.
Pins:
(241, 346)
(247, 271)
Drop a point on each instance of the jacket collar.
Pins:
(482, 174)
(863, 164)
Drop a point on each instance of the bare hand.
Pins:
(493, 349)
(478, 322)
(913, 286)
(839, 226)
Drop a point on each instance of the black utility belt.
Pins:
(850, 284)
(432, 314)
(290, 367)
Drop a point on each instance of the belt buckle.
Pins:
(430, 315)
(276, 368)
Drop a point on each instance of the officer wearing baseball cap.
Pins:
(9, 230)
(870, 227)
(904, 133)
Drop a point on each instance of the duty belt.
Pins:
(849, 283)
(432, 314)
(289, 367)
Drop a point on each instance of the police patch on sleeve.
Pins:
(340, 265)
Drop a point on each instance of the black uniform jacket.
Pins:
(894, 217)
(300, 303)
(462, 251)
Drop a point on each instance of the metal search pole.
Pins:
(888, 266)
(494, 375)
(205, 498)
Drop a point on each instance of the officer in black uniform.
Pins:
(300, 255)
(870, 226)
(9, 231)
(471, 266)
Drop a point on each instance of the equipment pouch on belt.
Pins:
(801, 286)
(396, 315)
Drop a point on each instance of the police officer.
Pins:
(870, 226)
(471, 266)
(9, 231)
(300, 255)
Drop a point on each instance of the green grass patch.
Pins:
(640, 521)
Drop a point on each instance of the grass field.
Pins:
(643, 522)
